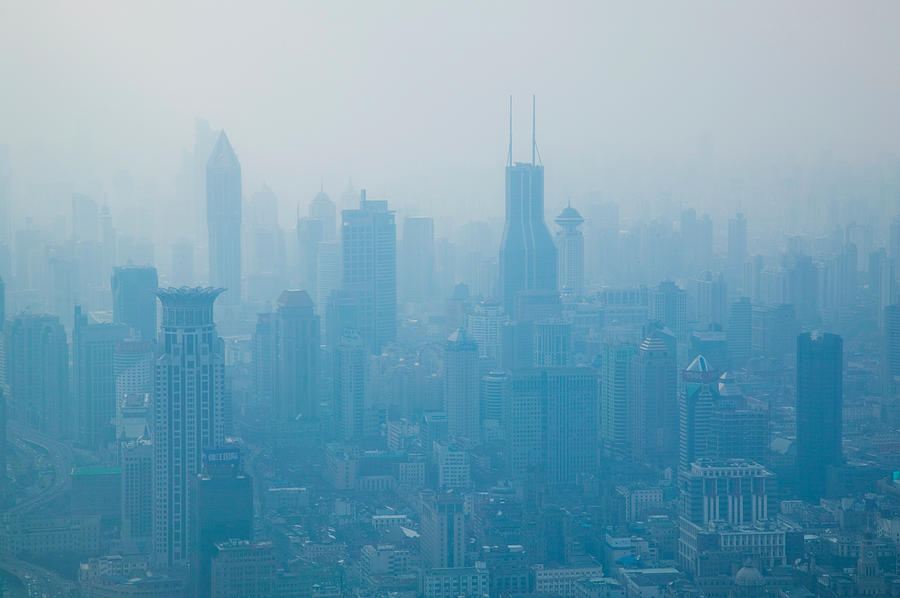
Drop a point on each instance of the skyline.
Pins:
(317, 94)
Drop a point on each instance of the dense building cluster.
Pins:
(622, 409)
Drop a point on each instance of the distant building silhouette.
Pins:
(297, 331)
(417, 259)
(570, 245)
(134, 302)
(223, 219)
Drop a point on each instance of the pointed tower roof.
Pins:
(223, 156)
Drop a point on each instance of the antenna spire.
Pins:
(533, 138)
(509, 154)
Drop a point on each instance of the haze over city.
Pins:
(466, 300)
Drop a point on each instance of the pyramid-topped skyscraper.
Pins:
(223, 219)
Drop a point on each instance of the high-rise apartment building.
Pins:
(369, 243)
(819, 410)
(134, 301)
(136, 457)
(223, 219)
(190, 411)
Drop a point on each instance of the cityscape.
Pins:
(554, 366)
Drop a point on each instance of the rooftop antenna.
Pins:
(535, 154)
(509, 154)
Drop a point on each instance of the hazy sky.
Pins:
(410, 99)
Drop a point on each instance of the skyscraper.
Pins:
(461, 392)
(297, 332)
(443, 531)
(93, 356)
(37, 372)
(190, 412)
(328, 273)
(527, 253)
(310, 233)
(134, 302)
(739, 332)
(695, 411)
(654, 413)
(553, 343)
(349, 393)
(819, 410)
(570, 245)
(485, 324)
(615, 398)
(369, 241)
(264, 353)
(223, 219)
(891, 353)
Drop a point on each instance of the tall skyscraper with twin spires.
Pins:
(527, 253)
(223, 219)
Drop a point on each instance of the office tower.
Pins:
(369, 243)
(527, 252)
(93, 357)
(552, 424)
(417, 259)
(297, 343)
(310, 233)
(494, 397)
(772, 328)
(516, 345)
(553, 343)
(695, 408)
(572, 418)
(137, 492)
(485, 324)
(349, 379)
(616, 391)
(223, 219)
(739, 333)
(654, 413)
(668, 304)
(223, 510)
(134, 302)
(328, 272)
(531, 306)
(2, 303)
(183, 263)
(819, 410)
(107, 241)
(711, 295)
(342, 315)
(190, 411)
(453, 466)
(461, 385)
(322, 208)
(84, 218)
(37, 372)
(3, 435)
(891, 352)
(737, 248)
(264, 352)
(570, 246)
(737, 430)
(443, 531)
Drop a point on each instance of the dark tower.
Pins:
(819, 405)
(527, 252)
